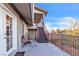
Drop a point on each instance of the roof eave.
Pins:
(42, 10)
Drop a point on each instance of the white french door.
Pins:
(8, 41)
(9, 33)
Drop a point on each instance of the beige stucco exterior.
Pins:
(32, 34)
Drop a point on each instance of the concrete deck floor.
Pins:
(43, 49)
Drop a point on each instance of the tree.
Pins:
(74, 24)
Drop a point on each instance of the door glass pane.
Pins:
(9, 40)
(10, 20)
(10, 46)
(7, 27)
(10, 26)
(7, 47)
(7, 32)
(10, 32)
(7, 19)
(23, 28)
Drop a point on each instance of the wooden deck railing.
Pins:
(46, 32)
(68, 43)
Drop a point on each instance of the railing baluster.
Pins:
(69, 43)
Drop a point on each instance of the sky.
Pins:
(60, 15)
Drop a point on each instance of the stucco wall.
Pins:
(32, 34)
(25, 33)
(20, 32)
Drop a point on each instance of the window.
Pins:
(9, 39)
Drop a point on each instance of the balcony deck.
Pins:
(43, 49)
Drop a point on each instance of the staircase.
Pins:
(42, 36)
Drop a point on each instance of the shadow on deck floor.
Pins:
(43, 49)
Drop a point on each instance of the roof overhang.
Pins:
(39, 15)
(42, 10)
(24, 10)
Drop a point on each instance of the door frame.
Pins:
(5, 12)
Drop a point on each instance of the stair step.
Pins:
(42, 36)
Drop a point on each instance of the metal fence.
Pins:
(68, 43)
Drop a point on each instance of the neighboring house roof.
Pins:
(42, 10)
(38, 16)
